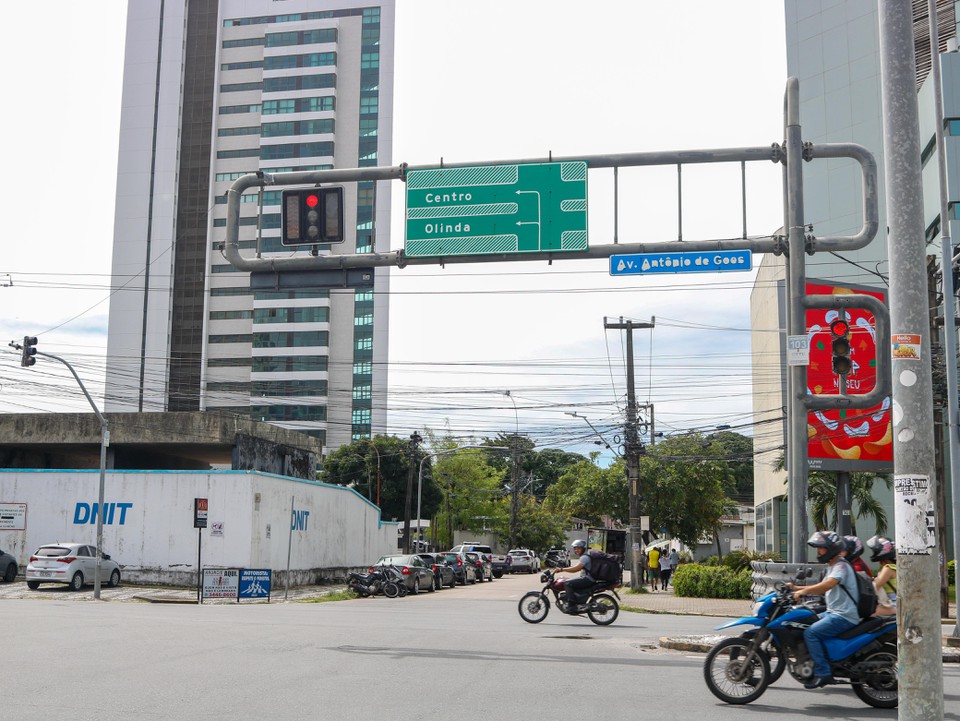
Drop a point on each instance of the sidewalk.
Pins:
(667, 602)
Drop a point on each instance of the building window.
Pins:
(230, 314)
(291, 339)
(291, 315)
(229, 132)
(230, 338)
(310, 60)
(303, 127)
(298, 82)
(289, 388)
(296, 150)
(241, 153)
(234, 109)
(249, 65)
(242, 43)
(304, 37)
(240, 87)
(228, 362)
(289, 364)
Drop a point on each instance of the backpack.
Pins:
(866, 600)
(604, 567)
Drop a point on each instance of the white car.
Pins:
(522, 560)
(74, 564)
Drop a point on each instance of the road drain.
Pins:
(573, 638)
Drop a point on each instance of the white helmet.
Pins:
(580, 544)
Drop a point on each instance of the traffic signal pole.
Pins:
(918, 609)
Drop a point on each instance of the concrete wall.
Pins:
(148, 522)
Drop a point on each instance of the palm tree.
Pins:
(822, 491)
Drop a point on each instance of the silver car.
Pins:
(72, 563)
(8, 567)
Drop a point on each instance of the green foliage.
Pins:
(356, 465)
(590, 492)
(739, 450)
(473, 497)
(345, 595)
(693, 580)
(537, 528)
(683, 481)
(740, 560)
(952, 573)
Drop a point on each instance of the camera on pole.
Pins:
(28, 351)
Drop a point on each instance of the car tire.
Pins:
(76, 583)
(498, 574)
(11, 573)
(416, 586)
(432, 588)
(33, 585)
(453, 581)
(114, 579)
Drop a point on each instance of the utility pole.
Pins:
(415, 441)
(632, 449)
(920, 677)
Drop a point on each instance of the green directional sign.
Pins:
(493, 209)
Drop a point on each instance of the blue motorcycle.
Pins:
(737, 670)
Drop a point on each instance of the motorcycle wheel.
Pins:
(728, 679)
(603, 609)
(778, 660)
(391, 589)
(533, 607)
(879, 687)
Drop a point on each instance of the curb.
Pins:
(166, 599)
(703, 644)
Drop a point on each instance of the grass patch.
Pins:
(346, 595)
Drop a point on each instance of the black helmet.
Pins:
(854, 547)
(882, 549)
(829, 540)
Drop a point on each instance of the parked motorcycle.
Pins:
(366, 584)
(737, 670)
(600, 607)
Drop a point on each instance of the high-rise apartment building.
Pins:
(213, 90)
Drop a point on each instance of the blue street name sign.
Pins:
(693, 262)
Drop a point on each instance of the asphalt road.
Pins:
(460, 653)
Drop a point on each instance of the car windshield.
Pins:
(395, 561)
(519, 553)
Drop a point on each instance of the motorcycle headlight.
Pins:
(756, 608)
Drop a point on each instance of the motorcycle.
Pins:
(600, 607)
(737, 670)
(366, 584)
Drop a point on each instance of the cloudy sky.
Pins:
(475, 81)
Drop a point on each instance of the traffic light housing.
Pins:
(840, 345)
(28, 351)
(311, 216)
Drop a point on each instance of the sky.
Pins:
(474, 82)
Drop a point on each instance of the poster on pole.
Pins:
(199, 512)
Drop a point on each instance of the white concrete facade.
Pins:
(148, 522)
(321, 389)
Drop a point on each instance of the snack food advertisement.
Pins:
(846, 439)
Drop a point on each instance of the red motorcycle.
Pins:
(600, 607)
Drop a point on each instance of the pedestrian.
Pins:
(642, 567)
(665, 569)
(674, 561)
(653, 567)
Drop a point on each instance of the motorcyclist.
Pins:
(854, 551)
(575, 586)
(884, 551)
(841, 614)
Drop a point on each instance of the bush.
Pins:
(695, 580)
(952, 573)
(739, 560)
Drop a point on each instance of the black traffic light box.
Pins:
(28, 351)
(311, 216)
(840, 345)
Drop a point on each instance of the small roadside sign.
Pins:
(798, 350)
(199, 512)
(221, 582)
(254, 583)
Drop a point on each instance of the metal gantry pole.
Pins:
(952, 417)
(918, 607)
(796, 325)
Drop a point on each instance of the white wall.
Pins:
(149, 529)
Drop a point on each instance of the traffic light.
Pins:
(310, 216)
(27, 352)
(840, 345)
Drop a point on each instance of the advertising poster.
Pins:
(846, 439)
(255, 583)
(221, 582)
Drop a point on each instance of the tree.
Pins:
(682, 482)
(355, 465)
(739, 449)
(587, 491)
(537, 528)
(472, 494)
(822, 492)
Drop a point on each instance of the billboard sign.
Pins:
(846, 439)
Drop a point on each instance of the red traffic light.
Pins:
(312, 200)
(839, 327)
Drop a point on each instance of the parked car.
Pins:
(415, 572)
(558, 557)
(498, 562)
(484, 569)
(443, 574)
(463, 571)
(8, 567)
(72, 563)
(521, 560)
